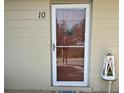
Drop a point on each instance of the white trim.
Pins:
(87, 38)
(53, 42)
(87, 45)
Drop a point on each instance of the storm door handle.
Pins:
(54, 46)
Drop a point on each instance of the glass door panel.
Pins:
(70, 64)
(70, 29)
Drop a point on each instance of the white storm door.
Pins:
(70, 44)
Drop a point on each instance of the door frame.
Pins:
(86, 46)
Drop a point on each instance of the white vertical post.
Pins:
(109, 87)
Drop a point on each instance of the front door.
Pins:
(69, 41)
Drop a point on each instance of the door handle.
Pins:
(54, 46)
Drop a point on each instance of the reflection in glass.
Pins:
(70, 29)
(70, 64)
(70, 25)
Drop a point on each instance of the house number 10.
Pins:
(42, 15)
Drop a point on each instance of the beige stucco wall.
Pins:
(27, 44)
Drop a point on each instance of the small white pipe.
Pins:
(110, 85)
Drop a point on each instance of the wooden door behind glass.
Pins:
(70, 37)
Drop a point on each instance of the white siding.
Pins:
(104, 37)
(27, 45)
